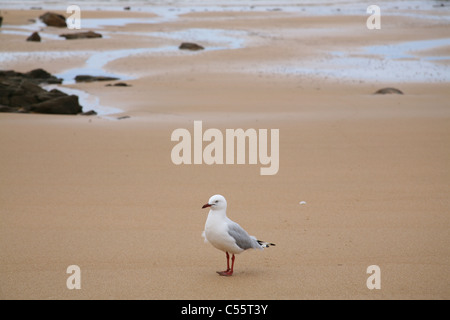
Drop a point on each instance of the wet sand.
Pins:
(103, 193)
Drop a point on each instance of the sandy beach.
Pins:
(102, 192)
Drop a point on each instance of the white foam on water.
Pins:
(10, 57)
(406, 50)
(392, 63)
(170, 10)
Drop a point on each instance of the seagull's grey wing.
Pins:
(241, 237)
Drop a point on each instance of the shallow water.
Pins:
(405, 50)
(169, 10)
(215, 38)
(382, 63)
(395, 63)
(98, 60)
(86, 100)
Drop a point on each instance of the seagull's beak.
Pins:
(206, 206)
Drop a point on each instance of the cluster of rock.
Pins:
(22, 93)
(52, 19)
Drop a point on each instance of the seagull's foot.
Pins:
(227, 273)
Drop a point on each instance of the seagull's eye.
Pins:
(217, 201)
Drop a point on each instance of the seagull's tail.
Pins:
(265, 244)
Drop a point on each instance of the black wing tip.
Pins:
(265, 244)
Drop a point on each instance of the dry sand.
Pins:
(104, 194)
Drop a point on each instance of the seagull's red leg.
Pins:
(229, 271)
(232, 265)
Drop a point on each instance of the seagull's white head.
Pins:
(216, 202)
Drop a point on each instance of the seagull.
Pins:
(226, 235)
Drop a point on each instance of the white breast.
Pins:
(216, 232)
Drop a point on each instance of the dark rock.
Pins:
(87, 78)
(34, 37)
(81, 35)
(43, 75)
(24, 94)
(118, 84)
(20, 92)
(37, 76)
(61, 105)
(190, 46)
(5, 92)
(52, 19)
(8, 73)
(388, 91)
(127, 8)
(52, 94)
(123, 117)
(7, 109)
(89, 113)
